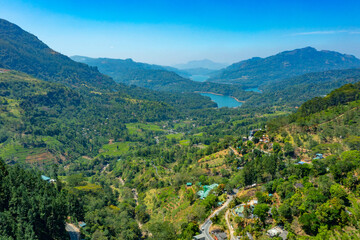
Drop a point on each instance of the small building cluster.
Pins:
(219, 235)
(246, 210)
(207, 188)
(2, 70)
(277, 232)
(318, 156)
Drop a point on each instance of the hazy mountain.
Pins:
(156, 77)
(22, 51)
(121, 69)
(205, 63)
(258, 71)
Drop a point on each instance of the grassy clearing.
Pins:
(89, 187)
(177, 136)
(115, 149)
(185, 142)
(138, 128)
(199, 134)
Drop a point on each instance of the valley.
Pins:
(118, 149)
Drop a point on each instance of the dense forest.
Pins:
(31, 208)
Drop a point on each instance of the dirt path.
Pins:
(135, 193)
(231, 229)
(235, 151)
(121, 181)
(104, 168)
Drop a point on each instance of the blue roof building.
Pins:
(82, 224)
(45, 178)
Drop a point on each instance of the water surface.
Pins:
(223, 101)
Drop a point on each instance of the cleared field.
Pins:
(138, 128)
(17, 152)
(214, 160)
(185, 142)
(114, 149)
(177, 136)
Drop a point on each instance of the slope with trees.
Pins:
(259, 71)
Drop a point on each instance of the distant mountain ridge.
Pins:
(22, 51)
(157, 77)
(123, 67)
(296, 90)
(205, 63)
(258, 71)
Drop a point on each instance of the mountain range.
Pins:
(259, 71)
(157, 77)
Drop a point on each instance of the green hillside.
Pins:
(158, 78)
(259, 71)
(292, 92)
(24, 52)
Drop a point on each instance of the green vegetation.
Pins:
(31, 208)
(24, 52)
(159, 78)
(259, 71)
(123, 156)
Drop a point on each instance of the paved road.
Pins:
(206, 230)
(73, 231)
(207, 224)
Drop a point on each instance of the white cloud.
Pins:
(325, 32)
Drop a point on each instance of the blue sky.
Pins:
(173, 31)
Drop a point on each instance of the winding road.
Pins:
(205, 228)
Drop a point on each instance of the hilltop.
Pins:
(259, 71)
(24, 52)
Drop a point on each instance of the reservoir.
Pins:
(223, 101)
(199, 78)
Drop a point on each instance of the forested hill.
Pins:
(158, 78)
(22, 51)
(325, 109)
(125, 70)
(39, 117)
(292, 92)
(259, 71)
